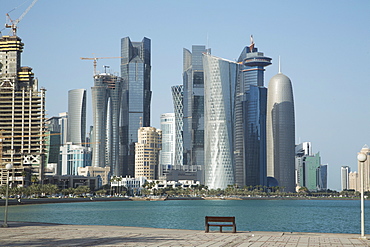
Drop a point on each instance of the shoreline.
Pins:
(13, 202)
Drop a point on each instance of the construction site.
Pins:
(22, 111)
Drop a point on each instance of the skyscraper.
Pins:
(22, 115)
(281, 131)
(365, 150)
(177, 96)
(219, 85)
(345, 170)
(193, 81)
(135, 71)
(107, 107)
(167, 155)
(147, 152)
(250, 118)
(76, 116)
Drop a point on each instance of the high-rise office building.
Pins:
(72, 157)
(63, 123)
(22, 116)
(147, 152)
(220, 77)
(323, 177)
(281, 132)
(193, 101)
(135, 71)
(250, 118)
(167, 154)
(107, 108)
(365, 150)
(344, 172)
(301, 150)
(177, 96)
(76, 132)
(53, 140)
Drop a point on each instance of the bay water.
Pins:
(332, 216)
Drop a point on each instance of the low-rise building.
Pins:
(92, 171)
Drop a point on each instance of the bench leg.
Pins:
(207, 228)
(234, 229)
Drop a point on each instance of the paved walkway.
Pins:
(42, 234)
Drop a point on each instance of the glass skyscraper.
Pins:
(254, 128)
(76, 132)
(250, 118)
(167, 154)
(193, 81)
(220, 77)
(135, 71)
(107, 102)
(177, 96)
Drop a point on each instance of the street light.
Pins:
(362, 158)
(8, 167)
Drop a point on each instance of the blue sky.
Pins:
(324, 48)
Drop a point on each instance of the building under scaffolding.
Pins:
(22, 114)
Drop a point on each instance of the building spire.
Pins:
(252, 44)
(279, 66)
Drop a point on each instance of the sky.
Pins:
(324, 48)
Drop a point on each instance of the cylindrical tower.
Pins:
(281, 132)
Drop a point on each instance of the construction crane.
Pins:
(13, 24)
(96, 59)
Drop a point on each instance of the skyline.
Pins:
(324, 51)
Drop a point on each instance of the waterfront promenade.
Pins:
(44, 234)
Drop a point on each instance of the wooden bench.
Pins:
(220, 222)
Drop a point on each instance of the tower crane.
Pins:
(96, 59)
(13, 23)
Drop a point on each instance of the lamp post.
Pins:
(362, 158)
(8, 167)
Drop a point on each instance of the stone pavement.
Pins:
(43, 234)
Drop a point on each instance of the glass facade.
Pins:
(107, 98)
(135, 71)
(177, 96)
(193, 102)
(76, 116)
(250, 118)
(220, 77)
(167, 154)
(254, 126)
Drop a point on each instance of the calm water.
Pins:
(336, 216)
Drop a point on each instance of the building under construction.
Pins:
(22, 114)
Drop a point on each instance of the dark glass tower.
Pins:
(193, 132)
(250, 118)
(135, 71)
(254, 126)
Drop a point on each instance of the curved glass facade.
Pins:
(76, 116)
(107, 102)
(219, 93)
